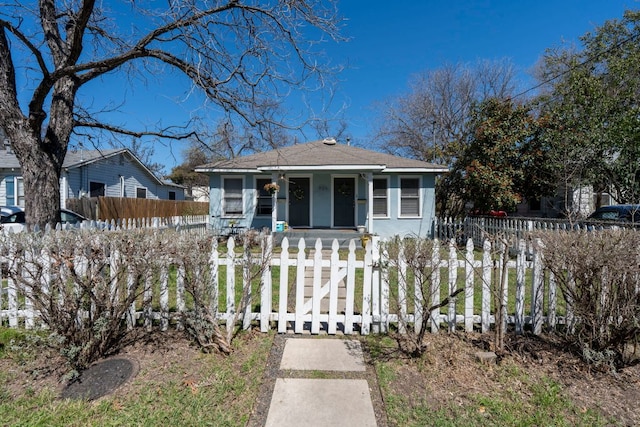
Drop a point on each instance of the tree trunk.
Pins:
(41, 178)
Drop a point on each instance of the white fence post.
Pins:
(266, 285)
(469, 286)
(367, 284)
(317, 282)
(453, 279)
(300, 267)
(284, 285)
(486, 286)
(537, 294)
(351, 285)
(435, 287)
(230, 308)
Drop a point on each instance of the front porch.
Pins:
(326, 236)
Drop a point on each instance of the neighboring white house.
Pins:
(323, 184)
(577, 202)
(90, 173)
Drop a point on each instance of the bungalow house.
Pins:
(324, 185)
(110, 173)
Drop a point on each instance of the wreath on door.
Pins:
(344, 189)
(298, 193)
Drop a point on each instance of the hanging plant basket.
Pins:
(271, 188)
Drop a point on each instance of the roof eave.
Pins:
(279, 168)
(416, 170)
(226, 170)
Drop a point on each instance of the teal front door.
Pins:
(344, 202)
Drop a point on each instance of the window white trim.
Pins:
(401, 196)
(387, 198)
(146, 192)
(104, 186)
(223, 196)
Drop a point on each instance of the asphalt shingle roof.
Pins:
(74, 158)
(319, 154)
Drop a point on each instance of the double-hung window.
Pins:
(410, 197)
(14, 189)
(380, 197)
(265, 199)
(232, 197)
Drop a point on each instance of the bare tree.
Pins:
(245, 56)
(430, 122)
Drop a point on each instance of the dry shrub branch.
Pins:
(412, 262)
(82, 284)
(599, 274)
(91, 289)
(201, 274)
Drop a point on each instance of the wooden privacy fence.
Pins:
(116, 208)
(312, 288)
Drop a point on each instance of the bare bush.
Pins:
(201, 275)
(599, 274)
(412, 261)
(83, 284)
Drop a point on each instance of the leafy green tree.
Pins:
(432, 121)
(592, 98)
(504, 160)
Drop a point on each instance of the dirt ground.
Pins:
(448, 371)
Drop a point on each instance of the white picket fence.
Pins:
(370, 296)
(187, 223)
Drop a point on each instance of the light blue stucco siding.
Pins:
(396, 225)
(248, 219)
(321, 203)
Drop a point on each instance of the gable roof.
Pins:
(321, 155)
(78, 158)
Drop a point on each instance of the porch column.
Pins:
(274, 204)
(370, 202)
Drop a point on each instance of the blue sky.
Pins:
(393, 40)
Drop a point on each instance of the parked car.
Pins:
(620, 213)
(13, 218)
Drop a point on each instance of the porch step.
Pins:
(326, 236)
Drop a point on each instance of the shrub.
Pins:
(83, 284)
(599, 274)
(199, 275)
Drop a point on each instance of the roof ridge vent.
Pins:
(329, 141)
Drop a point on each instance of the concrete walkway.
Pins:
(321, 382)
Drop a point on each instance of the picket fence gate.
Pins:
(383, 302)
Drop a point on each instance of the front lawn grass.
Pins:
(176, 386)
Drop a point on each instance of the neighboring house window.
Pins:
(265, 200)
(410, 197)
(232, 196)
(96, 189)
(172, 195)
(380, 197)
(141, 193)
(14, 188)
